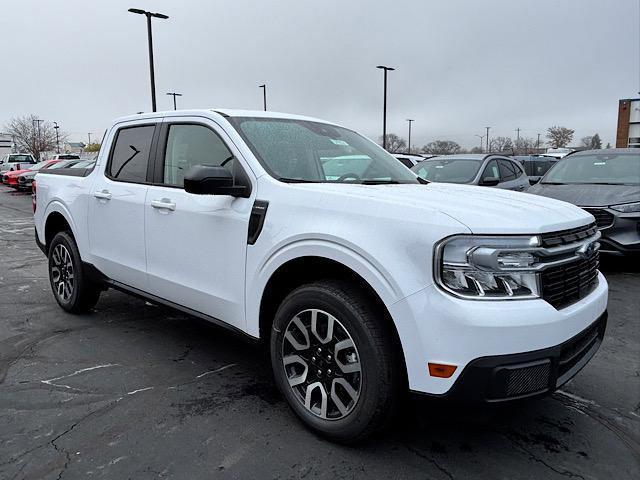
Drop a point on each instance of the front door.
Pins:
(196, 244)
(116, 208)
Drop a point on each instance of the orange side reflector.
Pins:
(440, 370)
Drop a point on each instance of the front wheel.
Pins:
(334, 361)
(73, 291)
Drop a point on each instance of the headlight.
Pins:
(627, 207)
(488, 268)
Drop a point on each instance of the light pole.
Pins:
(150, 38)
(480, 137)
(410, 120)
(384, 107)
(89, 139)
(538, 144)
(174, 98)
(264, 95)
(38, 142)
(56, 127)
(487, 138)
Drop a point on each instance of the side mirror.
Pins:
(489, 181)
(210, 180)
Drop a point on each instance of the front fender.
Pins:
(350, 256)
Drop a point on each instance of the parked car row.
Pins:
(22, 179)
(16, 161)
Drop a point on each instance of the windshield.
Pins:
(613, 169)
(20, 158)
(448, 170)
(305, 151)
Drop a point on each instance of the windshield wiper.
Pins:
(297, 180)
(378, 182)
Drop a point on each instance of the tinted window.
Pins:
(507, 170)
(448, 170)
(491, 171)
(189, 145)
(130, 155)
(69, 157)
(406, 162)
(21, 158)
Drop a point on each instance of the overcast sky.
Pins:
(461, 65)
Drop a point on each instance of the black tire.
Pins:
(77, 294)
(380, 376)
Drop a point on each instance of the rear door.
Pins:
(196, 244)
(116, 206)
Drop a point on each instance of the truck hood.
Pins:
(481, 209)
(589, 195)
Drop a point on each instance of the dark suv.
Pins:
(606, 183)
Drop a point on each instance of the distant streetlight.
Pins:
(480, 137)
(56, 127)
(538, 144)
(384, 108)
(89, 139)
(36, 127)
(174, 98)
(264, 95)
(410, 120)
(150, 39)
(487, 138)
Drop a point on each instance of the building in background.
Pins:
(628, 134)
(74, 147)
(6, 144)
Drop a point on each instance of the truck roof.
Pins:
(226, 112)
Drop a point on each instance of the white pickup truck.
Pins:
(364, 281)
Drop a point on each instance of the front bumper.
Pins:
(522, 375)
(620, 231)
(476, 336)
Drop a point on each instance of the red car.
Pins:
(11, 178)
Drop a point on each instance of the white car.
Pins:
(410, 160)
(365, 281)
(16, 161)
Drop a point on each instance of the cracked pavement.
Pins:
(134, 390)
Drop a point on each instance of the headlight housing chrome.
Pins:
(488, 267)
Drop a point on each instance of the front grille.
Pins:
(565, 237)
(567, 283)
(604, 218)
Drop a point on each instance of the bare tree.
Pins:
(441, 147)
(559, 136)
(500, 144)
(525, 145)
(592, 142)
(395, 144)
(34, 135)
(476, 150)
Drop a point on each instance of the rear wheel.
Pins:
(334, 360)
(73, 291)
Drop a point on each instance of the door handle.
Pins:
(165, 204)
(103, 195)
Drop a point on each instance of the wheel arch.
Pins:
(306, 269)
(57, 219)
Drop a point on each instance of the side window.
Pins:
(189, 145)
(130, 155)
(491, 170)
(517, 168)
(406, 162)
(507, 171)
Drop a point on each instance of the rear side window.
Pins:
(130, 156)
(507, 170)
(491, 171)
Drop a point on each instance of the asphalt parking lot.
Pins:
(134, 390)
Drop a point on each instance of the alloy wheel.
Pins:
(322, 364)
(62, 274)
